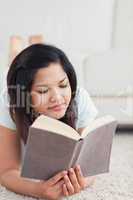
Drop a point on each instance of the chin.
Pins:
(58, 115)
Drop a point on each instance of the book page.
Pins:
(56, 127)
(97, 123)
(94, 156)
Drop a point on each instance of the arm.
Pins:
(10, 164)
(10, 178)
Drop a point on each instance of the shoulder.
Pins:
(81, 93)
(87, 110)
(83, 98)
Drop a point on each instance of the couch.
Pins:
(108, 77)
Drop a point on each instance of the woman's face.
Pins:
(51, 91)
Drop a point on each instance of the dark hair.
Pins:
(20, 78)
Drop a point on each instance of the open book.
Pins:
(53, 146)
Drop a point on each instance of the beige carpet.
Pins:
(116, 185)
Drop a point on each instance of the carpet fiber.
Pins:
(115, 185)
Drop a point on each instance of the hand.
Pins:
(52, 188)
(75, 181)
(84, 181)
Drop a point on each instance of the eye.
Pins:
(64, 85)
(42, 91)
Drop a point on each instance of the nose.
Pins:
(56, 96)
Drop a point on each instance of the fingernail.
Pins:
(64, 172)
(71, 170)
(65, 176)
(78, 167)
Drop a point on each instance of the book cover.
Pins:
(53, 146)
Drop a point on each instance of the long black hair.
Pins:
(19, 82)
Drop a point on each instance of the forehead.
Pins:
(50, 75)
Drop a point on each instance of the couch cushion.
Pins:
(109, 73)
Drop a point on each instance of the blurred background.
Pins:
(97, 36)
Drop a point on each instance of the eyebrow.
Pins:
(39, 85)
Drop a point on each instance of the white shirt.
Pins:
(86, 108)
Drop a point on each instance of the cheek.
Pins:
(68, 96)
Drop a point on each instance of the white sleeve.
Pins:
(5, 118)
(86, 108)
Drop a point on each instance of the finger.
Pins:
(74, 180)
(65, 191)
(56, 178)
(68, 185)
(80, 176)
(58, 185)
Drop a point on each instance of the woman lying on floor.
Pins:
(48, 79)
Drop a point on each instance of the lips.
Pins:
(57, 107)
